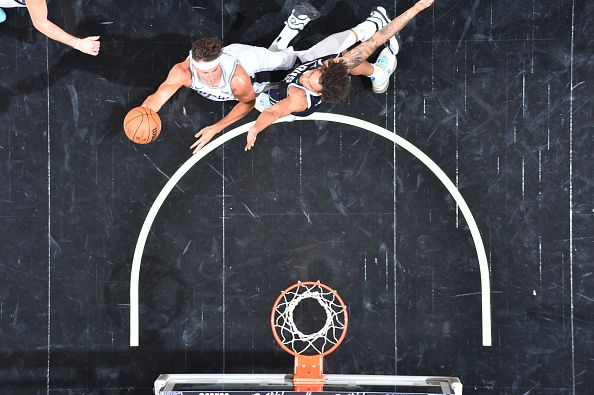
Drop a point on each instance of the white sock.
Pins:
(365, 30)
(284, 38)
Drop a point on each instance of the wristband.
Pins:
(77, 43)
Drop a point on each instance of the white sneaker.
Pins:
(395, 43)
(378, 17)
(386, 62)
(262, 102)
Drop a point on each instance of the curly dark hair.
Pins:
(206, 49)
(336, 82)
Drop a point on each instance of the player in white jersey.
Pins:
(38, 12)
(224, 73)
(330, 77)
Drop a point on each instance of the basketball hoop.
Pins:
(309, 349)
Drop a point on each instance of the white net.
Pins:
(318, 342)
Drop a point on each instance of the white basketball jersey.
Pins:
(252, 59)
(223, 92)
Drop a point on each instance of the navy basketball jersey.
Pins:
(280, 91)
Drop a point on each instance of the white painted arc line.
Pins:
(474, 231)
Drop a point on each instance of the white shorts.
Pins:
(257, 59)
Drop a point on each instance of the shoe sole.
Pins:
(382, 15)
(384, 87)
(307, 10)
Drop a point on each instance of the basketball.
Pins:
(142, 125)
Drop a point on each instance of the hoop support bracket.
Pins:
(309, 373)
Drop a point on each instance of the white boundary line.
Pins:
(474, 231)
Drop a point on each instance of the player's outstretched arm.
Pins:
(295, 102)
(38, 12)
(175, 79)
(242, 88)
(362, 51)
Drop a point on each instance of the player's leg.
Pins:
(338, 42)
(377, 19)
(301, 15)
(380, 71)
(259, 59)
(385, 65)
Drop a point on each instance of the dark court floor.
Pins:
(497, 93)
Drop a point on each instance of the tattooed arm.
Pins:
(361, 52)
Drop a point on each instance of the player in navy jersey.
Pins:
(214, 78)
(328, 78)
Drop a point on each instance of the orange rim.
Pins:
(333, 292)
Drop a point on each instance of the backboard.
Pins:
(280, 384)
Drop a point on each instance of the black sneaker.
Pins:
(301, 15)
